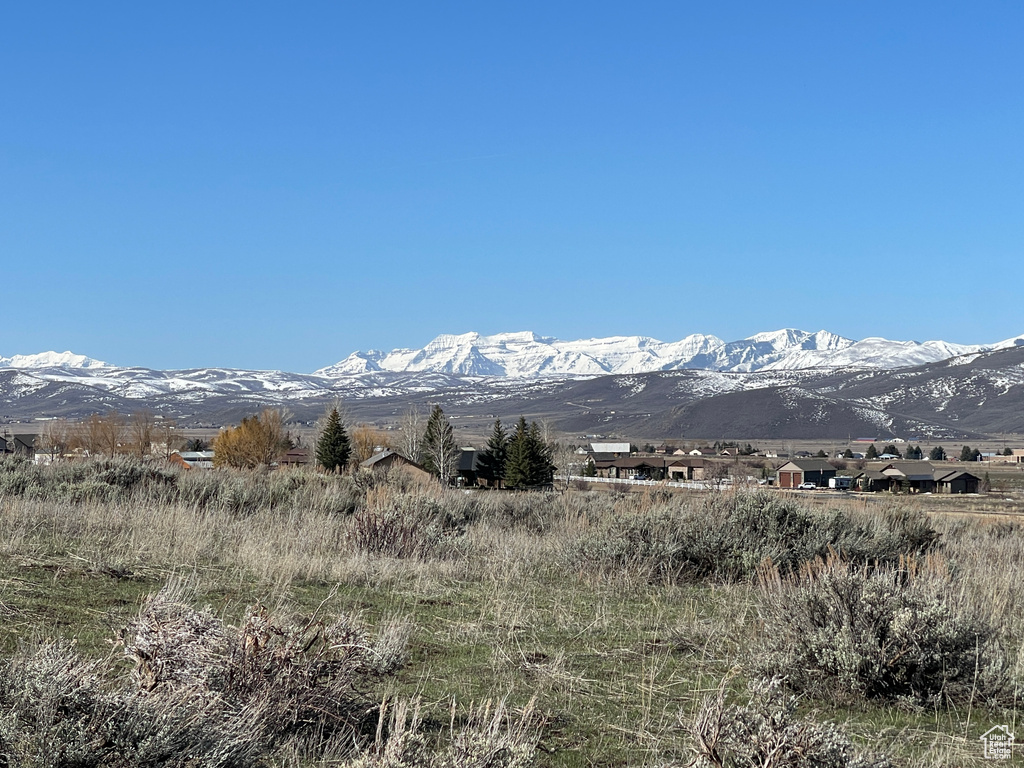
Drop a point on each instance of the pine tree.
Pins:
(872, 452)
(440, 453)
(938, 453)
(542, 469)
(332, 447)
(492, 460)
(966, 454)
(528, 462)
(517, 460)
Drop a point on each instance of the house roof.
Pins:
(387, 453)
(945, 476)
(873, 474)
(911, 470)
(469, 460)
(808, 465)
(609, 447)
(687, 461)
(634, 462)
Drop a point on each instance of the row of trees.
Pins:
(109, 434)
(517, 460)
(937, 453)
(520, 460)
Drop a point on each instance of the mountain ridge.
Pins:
(525, 355)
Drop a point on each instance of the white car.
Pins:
(807, 486)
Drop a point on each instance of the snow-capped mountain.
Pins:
(526, 355)
(783, 383)
(51, 360)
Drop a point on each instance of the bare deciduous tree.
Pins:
(98, 434)
(411, 426)
(141, 425)
(54, 438)
(167, 435)
(365, 440)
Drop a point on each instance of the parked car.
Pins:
(807, 486)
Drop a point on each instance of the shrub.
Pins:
(766, 733)
(730, 536)
(58, 712)
(404, 525)
(883, 633)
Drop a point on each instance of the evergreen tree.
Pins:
(915, 453)
(528, 461)
(440, 453)
(938, 453)
(332, 447)
(848, 454)
(892, 450)
(542, 468)
(872, 452)
(492, 459)
(821, 454)
(966, 454)
(517, 460)
(590, 469)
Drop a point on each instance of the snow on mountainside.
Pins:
(51, 360)
(526, 355)
(515, 358)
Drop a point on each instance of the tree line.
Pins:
(522, 459)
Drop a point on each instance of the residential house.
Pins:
(793, 473)
(686, 469)
(957, 481)
(916, 477)
(388, 460)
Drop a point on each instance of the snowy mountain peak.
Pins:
(526, 355)
(51, 360)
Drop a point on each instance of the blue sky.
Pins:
(275, 185)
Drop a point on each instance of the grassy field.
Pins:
(567, 629)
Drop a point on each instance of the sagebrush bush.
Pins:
(59, 711)
(879, 633)
(129, 479)
(402, 524)
(730, 536)
(200, 693)
(767, 733)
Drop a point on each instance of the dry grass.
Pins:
(484, 597)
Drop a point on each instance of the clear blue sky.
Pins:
(275, 185)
